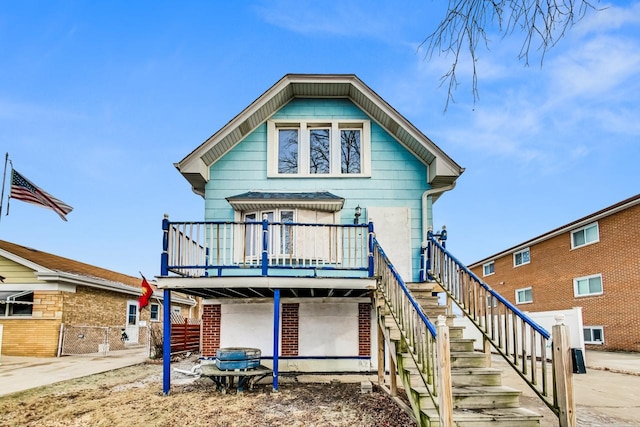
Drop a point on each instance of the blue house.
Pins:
(318, 204)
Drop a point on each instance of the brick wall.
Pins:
(95, 307)
(210, 329)
(364, 329)
(290, 323)
(30, 337)
(554, 265)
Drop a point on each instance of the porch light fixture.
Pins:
(356, 217)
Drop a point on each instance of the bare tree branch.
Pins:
(543, 23)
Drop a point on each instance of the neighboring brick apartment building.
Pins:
(40, 291)
(593, 263)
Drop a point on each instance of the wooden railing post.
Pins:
(563, 373)
(380, 354)
(445, 397)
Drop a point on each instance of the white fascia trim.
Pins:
(57, 276)
(177, 283)
(323, 300)
(64, 287)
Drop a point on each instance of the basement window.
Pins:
(593, 335)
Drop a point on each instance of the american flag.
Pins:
(27, 191)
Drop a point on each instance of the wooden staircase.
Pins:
(479, 398)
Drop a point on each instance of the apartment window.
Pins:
(488, 269)
(524, 296)
(521, 257)
(588, 285)
(593, 335)
(585, 236)
(155, 312)
(318, 148)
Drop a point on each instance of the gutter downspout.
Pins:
(425, 195)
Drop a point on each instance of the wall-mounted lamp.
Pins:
(356, 217)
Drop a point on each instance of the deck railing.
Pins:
(427, 343)
(524, 344)
(222, 248)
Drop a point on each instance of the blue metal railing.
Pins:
(225, 248)
(524, 344)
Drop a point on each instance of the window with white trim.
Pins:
(155, 312)
(521, 257)
(281, 240)
(488, 269)
(587, 285)
(524, 296)
(318, 148)
(585, 236)
(593, 335)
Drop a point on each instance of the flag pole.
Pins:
(4, 177)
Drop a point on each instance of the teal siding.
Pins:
(397, 179)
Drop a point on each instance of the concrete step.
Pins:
(500, 417)
(484, 397)
(469, 360)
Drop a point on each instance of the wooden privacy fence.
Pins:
(185, 334)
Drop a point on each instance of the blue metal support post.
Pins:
(265, 246)
(164, 257)
(166, 343)
(276, 336)
(371, 234)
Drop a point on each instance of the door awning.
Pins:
(259, 200)
(11, 297)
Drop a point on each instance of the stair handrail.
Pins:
(514, 335)
(419, 332)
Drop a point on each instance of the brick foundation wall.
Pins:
(364, 329)
(290, 323)
(210, 329)
(30, 337)
(554, 265)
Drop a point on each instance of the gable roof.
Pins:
(53, 263)
(443, 171)
(610, 210)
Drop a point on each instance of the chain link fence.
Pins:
(101, 340)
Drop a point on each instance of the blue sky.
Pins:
(99, 99)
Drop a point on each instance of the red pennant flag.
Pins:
(147, 292)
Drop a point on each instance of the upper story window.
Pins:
(588, 285)
(585, 236)
(319, 148)
(524, 296)
(521, 257)
(488, 269)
